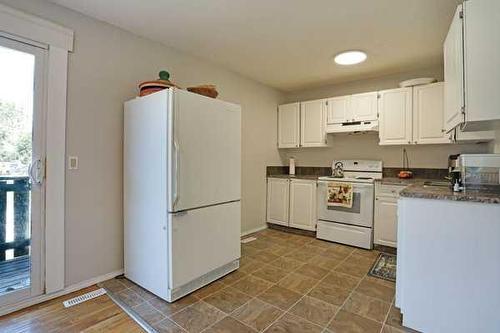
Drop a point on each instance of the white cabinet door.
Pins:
(395, 116)
(278, 200)
(364, 106)
(303, 204)
(454, 73)
(428, 119)
(313, 123)
(289, 125)
(386, 221)
(338, 110)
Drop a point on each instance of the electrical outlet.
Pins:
(73, 162)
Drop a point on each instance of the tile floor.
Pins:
(285, 283)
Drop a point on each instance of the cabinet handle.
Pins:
(409, 142)
(416, 142)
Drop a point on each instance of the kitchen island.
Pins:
(448, 271)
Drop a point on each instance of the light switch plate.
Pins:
(73, 162)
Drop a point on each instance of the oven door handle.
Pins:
(354, 185)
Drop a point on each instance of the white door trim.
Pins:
(59, 41)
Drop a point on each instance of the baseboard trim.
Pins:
(246, 233)
(9, 308)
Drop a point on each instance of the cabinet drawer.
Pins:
(346, 234)
(388, 190)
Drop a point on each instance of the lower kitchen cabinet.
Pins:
(303, 204)
(386, 214)
(278, 194)
(292, 202)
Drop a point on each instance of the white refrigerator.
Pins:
(182, 190)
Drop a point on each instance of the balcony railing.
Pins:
(14, 215)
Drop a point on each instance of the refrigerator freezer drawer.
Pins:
(345, 234)
(202, 240)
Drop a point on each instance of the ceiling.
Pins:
(289, 44)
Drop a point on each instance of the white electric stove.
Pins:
(354, 225)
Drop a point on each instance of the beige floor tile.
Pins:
(367, 307)
(142, 292)
(130, 297)
(228, 299)
(209, 289)
(387, 283)
(313, 250)
(248, 265)
(312, 271)
(281, 297)
(265, 257)
(278, 250)
(113, 285)
(360, 259)
(286, 264)
(372, 254)
(260, 244)
(325, 262)
(149, 313)
(314, 310)
(167, 326)
(293, 324)
(377, 290)
(197, 317)
(298, 283)
(257, 314)
(233, 277)
(352, 268)
(270, 273)
(169, 309)
(299, 255)
(340, 280)
(347, 322)
(330, 294)
(229, 325)
(251, 285)
(249, 251)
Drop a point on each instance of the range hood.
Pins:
(353, 127)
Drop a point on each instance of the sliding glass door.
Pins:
(22, 160)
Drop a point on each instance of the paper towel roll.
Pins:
(292, 166)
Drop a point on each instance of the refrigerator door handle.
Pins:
(176, 176)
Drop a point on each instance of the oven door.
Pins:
(361, 212)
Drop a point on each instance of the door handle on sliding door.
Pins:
(36, 171)
(176, 175)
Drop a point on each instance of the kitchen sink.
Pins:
(436, 183)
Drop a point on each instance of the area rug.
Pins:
(384, 267)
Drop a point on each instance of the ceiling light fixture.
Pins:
(350, 57)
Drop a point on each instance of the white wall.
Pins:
(104, 70)
(365, 146)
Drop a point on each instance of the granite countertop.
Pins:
(482, 195)
(406, 181)
(285, 176)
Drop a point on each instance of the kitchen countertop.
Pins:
(307, 177)
(482, 195)
(406, 181)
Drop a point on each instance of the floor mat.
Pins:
(384, 267)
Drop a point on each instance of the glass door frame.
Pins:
(37, 253)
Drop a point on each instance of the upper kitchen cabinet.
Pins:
(313, 123)
(289, 125)
(364, 107)
(302, 124)
(352, 113)
(428, 124)
(338, 109)
(395, 116)
(472, 67)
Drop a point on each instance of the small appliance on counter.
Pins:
(479, 170)
(292, 166)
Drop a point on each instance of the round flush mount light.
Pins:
(350, 57)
